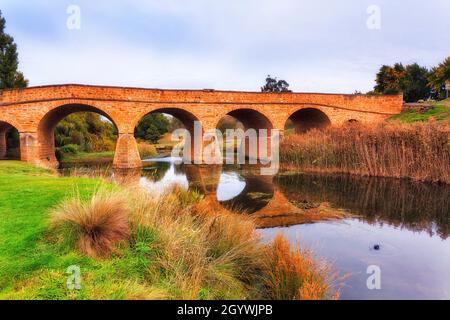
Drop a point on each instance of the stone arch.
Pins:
(5, 128)
(48, 123)
(191, 123)
(252, 119)
(306, 119)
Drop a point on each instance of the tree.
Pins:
(438, 77)
(412, 80)
(416, 84)
(10, 77)
(87, 130)
(152, 127)
(390, 80)
(274, 85)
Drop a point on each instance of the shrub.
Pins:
(70, 149)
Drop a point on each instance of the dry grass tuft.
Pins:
(95, 226)
(293, 274)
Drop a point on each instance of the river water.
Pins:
(400, 227)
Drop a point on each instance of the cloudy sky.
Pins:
(317, 46)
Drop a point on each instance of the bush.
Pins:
(70, 149)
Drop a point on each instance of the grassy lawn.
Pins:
(31, 266)
(441, 112)
(88, 156)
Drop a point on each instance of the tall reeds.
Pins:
(418, 151)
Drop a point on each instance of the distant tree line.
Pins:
(92, 133)
(416, 82)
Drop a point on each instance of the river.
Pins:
(399, 226)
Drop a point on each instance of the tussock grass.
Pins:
(95, 226)
(419, 151)
(292, 274)
(184, 250)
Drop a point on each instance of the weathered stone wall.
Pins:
(36, 111)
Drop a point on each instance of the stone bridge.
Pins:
(36, 111)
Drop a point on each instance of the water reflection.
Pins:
(400, 203)
(282, 200)
(409, 221)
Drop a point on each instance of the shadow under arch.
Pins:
(9, 141)
(306, 119)
(47, 125)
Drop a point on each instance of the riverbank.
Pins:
(146, 150)
(144, 247)
(419, 151)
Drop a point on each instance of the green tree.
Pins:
(152, 127)
(390, 80)
(274, 85)
(438, 77)
(412, 80)
(10, 77)
(87, 130)
(416, 84)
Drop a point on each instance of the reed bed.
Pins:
(418, 151)
(187, 251)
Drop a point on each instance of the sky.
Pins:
(317, 46)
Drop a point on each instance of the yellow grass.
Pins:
(292, 274)
(96, 226)
(418, 151)
(147, 150)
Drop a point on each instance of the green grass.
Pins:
(31, 266)
(440, 112)
(88, 156)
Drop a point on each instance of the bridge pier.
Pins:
(2, 144)
(29, 151)
(127, 153)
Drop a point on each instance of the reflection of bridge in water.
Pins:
(287, 200)
(260, 197)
